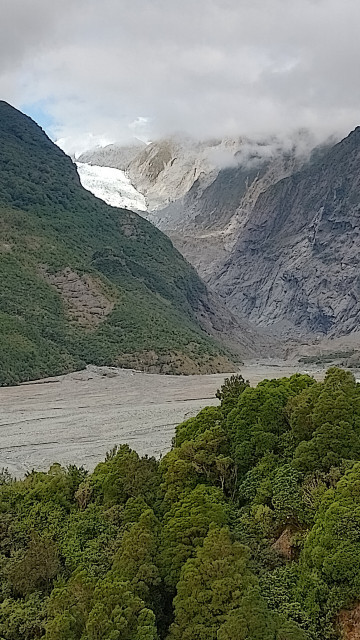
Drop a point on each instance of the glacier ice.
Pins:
(111, 185)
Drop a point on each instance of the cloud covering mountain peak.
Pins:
(207, 68)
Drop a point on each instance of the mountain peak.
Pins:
(7, 105)
(9, 111)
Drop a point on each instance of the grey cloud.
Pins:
(222, 158)
(30, 26)
(208, 68)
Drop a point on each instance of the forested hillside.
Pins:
(82, 282)
(247, 530)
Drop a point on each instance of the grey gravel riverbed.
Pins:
(77, 418)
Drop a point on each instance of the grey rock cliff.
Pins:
(206, 223)
(296, 262)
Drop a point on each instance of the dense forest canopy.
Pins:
(248, 529)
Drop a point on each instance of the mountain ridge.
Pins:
(83, 282)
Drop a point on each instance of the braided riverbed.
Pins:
(77, 418)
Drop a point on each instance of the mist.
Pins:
(104, 72)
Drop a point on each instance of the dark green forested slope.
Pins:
(249, 529)
(82, 281)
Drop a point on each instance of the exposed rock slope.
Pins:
(296, 261)
(206, 223)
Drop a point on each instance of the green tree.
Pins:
(218, 597)
(86, 609)
(330, 560)
(69, 606)
(329, 446)
(207, 418)
(287, 497)
(260, 420)
(137, 559)
(230, 392)
(335, 400)
(185, 527)
(118, 614)
(204, 459)
(23, 619)
(211, 585)
(125, 475)
(37, 568)
(88, 539)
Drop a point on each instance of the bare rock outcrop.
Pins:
(202, 193)
(84, 296)
(349, 623)
(284, 545)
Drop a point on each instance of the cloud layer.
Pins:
(209, 68)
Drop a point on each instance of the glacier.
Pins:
(111, 185)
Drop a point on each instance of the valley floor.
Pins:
(77, 418)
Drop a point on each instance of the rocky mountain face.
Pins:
(295, 264)
(206, 223)
(202, 193)
(165, 170)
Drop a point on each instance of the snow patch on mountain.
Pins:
(111, 185)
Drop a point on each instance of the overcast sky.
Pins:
(91, 70)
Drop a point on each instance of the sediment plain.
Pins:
(77, 418)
